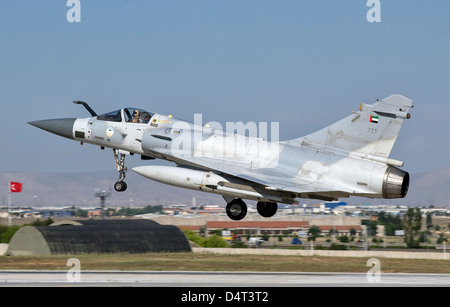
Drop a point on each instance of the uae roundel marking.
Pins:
(110, 132)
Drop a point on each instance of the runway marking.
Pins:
(218, 279)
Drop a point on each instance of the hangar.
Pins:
(98, 236)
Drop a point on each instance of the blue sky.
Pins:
(305, 64)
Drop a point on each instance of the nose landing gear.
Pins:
(120, 186)
(119, 158)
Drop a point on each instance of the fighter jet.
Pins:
(347, 158)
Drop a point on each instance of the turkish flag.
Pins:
(15, 187)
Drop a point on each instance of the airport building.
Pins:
(258, 227)
(280, 228)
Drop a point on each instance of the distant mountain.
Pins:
(430, 188)
(63, 189)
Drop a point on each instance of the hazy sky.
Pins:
(303, 63)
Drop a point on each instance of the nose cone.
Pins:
(62, 127)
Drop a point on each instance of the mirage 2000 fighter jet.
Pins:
(347, 158)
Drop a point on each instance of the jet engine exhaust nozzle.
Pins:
(395, 183)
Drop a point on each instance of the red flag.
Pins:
(15, 187)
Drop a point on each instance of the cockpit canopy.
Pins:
(128, 115)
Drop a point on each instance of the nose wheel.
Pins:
(120, 186)
(119, 158)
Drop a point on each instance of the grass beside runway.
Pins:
(217, 262)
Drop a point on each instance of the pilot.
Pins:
(136, 115)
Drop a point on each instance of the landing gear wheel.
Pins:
(236, 209)
(120, 186)
(266, 209)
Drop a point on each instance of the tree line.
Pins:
(411, 223)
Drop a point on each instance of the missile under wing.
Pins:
(348, 158)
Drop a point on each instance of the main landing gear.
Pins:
(119, 158)
(266, 209)
(237, 209)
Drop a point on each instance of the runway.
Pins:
(217, 279)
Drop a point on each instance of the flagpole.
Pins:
(9, 207)
(14, 187)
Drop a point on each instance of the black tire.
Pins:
(120, 186)
(266, 209)
(236, 209)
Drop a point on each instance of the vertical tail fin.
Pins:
(371, 131)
